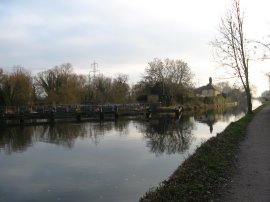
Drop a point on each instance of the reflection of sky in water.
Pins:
(118, 168)
(93, 162)
(203, 131)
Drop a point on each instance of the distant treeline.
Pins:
(170, 80)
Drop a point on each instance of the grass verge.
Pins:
(203, 174)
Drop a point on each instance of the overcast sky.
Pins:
(122, 36)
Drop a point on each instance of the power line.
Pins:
(226, 78)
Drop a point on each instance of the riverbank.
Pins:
(203, 175)
(203, 107)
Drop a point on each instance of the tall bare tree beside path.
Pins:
(231, 47)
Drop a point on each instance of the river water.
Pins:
(110, 161)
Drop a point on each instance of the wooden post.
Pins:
(116, 115)
(52, 116)
(148, 113)
(21, 116)
(78, 114)
(101, 114)
(2, 118)
(178, 112)
(21, 119)
(78, 117)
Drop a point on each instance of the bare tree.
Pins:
(120, 89)
(169, 76)
(232, 47)
(169, 71)
(16, 87)
(59, 85)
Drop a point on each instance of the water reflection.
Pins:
(16, 139)
(60, 134)
(167, 135)
(163, 135)
(210, 117)
(111, 161)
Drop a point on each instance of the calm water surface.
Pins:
(100, 161)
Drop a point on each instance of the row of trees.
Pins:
(60, 85)
(234, 94)
(170, 80)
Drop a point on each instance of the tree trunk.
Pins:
(249, 101)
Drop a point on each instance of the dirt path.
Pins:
(251, 181)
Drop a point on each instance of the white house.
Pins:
(207, 91)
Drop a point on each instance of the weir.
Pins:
(22, 115)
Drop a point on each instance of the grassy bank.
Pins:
(202, 175)
(202, 106)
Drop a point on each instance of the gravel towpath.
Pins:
(251, 180)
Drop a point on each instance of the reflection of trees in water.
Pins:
(210, 117)
(163, 135)
(61, 134)
(122, 127)
(232, 111)
(166, 135)
(97, 130)
(15, 139)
